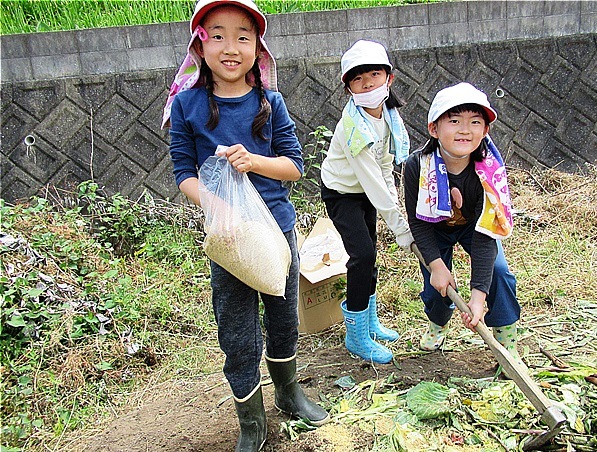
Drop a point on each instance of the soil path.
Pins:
(200, 416)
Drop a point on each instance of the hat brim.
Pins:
(200, 14)
(491, 113)
(343, 77)
(459, 94)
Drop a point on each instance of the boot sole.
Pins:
(370, 359)
(319, 423)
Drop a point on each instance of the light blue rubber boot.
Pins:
(358, 341)
(377, 331)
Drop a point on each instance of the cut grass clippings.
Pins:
(467, 414)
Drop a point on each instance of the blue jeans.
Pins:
(236, 308)
(501, 299)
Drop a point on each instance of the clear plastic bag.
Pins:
(241, 234)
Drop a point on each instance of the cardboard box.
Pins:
(319, 291)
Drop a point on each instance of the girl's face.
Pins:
(230, 50)
(459, 133)
(369, 81)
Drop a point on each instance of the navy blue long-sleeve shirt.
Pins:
(191, 142)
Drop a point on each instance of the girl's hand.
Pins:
(238, 156)
(278, 168)
(477, 307)
(441, 277)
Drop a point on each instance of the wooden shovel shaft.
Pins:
(552, 418)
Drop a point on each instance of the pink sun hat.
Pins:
(204, 6)
(189, 72)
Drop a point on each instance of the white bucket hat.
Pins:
(462, 93)
(364, 52)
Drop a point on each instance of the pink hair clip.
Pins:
(201, 33)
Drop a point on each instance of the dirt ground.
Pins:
(200, 416)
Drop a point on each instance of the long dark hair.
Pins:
(265, 108)
(391, 102)
(478, 154)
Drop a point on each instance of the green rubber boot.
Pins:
(289, 397)
(251, 417)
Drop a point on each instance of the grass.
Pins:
(104, 298)
(31, 16)
(94, 297)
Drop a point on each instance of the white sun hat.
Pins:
(452, 96)
(364, 52)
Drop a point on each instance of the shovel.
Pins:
(551, 415)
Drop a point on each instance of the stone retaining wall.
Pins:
(87, 103)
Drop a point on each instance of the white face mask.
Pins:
(452, 156)
(373, 98)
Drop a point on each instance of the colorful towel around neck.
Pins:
(359, 133)
(434, 202)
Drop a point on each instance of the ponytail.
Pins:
(214, 112)
(429, 147)
(265, 109)
(394, 101)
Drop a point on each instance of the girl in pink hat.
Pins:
(358, 183)
(224, 94)
(456, 192)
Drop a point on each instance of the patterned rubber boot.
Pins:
(434, 337)
(377, 331)
(358, 342)
(508, 336)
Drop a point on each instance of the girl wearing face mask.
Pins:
(358, 183)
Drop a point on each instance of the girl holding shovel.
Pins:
(456, 191)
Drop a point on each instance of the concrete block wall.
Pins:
(92, 99)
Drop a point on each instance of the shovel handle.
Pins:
(550, 414)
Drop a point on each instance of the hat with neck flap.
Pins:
(189, 72)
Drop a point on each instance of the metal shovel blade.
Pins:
(556, 421)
